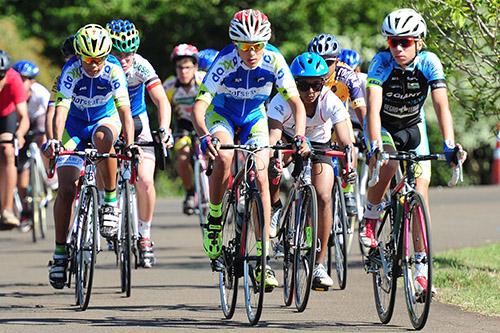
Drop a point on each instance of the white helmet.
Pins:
(250, 25)
(325, 45)
(404, 23)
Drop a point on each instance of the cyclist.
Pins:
(398, 83)
(181, 92)
(232, 97)
(141, 76)
(324, 112)
(345, 84)
(14, 122)
(205, 59)
(38, 99)
(92, 105)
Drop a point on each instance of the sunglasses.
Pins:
(250, 46)
(90, 60)
(404, 42)
(305, 86)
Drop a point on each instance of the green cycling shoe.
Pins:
(212, 237)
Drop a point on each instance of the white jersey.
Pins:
(38, 101)
(329, 111)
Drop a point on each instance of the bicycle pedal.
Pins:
(319, 288)
(216, 265)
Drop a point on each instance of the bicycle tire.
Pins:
(385, 272)
(253, 223)
(287, 237)
(353, 221)
(201, 192)
(86, 253)
(33, 197)
(418, 303)
(125, 240)
(305, 254)
(337, 246)
(230, 270)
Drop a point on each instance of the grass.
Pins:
(167, 187)
(469, 278)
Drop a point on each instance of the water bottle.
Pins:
(307, 172)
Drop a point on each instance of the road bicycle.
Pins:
(298, 234)
(338, 241)
(404, 241)
(244, 249)
(83, 241)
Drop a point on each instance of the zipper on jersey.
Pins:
(245, 100)
(90, 97)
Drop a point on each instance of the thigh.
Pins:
(322, 179)
(109, 126)
(8, 126)
(255, 131)
(145, 136)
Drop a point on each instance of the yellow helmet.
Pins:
(92, 41)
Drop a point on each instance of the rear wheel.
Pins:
(383, 265)
(305, 246)
(417, 261)
(125, 241)
(337, 247)
(253, 236)
(229, 261)
(287, 238)
(202, 199)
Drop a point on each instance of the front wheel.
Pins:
(253, 238)
(202, 199)
(125, 240)
(417, 260)
(87, 247)
(306, 239)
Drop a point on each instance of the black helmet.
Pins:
(4, 61)
(67, 48)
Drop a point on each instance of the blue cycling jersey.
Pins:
(92, 98)
(404, 91)
(238, 92)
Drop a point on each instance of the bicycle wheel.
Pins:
(125, 240)
(353, 221)
(337, 249)
(87, 247)
(229, 260)
(417, 260)
(383, 265)
(254, 258)
(34, 199)
(287, 239)
(201, 192)
(305, 245)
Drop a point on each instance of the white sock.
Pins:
(145, 228)
(372, 211)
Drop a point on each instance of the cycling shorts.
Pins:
(254, 131)
(413, 138)
(8, 124)
(78, 133)
(143, 134)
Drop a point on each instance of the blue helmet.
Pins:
(26, 68)
(350, 57)
(309, 64)
(205, 58)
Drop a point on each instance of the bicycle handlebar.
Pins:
(409, 156)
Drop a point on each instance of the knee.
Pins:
(66, 190)
(146, 184)
(324, 198)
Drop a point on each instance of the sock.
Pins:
(60, 251)
(215, 210)
(110, 197)
(372, 211)
(145, 228)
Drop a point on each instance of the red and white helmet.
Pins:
(250, 25)
(184, 50)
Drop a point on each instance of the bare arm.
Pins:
(61, 114)
(360, 113)
(443, 113)
(374, 107)
(160, 99)
(49, 122)
(343, 133)
(198, 117)
(275, 131)
(299, 114)
(127, 123)
(24, 121)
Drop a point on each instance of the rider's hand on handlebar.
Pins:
(209, 146)
(302, 145)
(133, 150)
(166, 137)
(454, 154)
(50, 148)
(350, 176)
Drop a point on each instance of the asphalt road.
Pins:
(180, 293)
